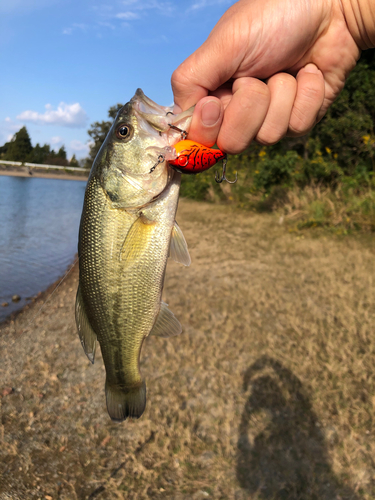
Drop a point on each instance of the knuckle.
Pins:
(301, 120)
(311, 95)
(232, 145)
(297, 129)
(259, 89)
(282, 80)
(255, 90)
(268, 137)
(181, 79)
(178, 79)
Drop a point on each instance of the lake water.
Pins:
(39, 222)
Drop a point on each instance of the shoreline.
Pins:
(39, 173)
(42, 296)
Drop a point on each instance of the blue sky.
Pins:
(65, 62)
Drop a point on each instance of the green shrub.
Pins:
(275, 171)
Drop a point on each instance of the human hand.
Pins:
(269, 68)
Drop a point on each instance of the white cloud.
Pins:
(56, 140)
(202, 4)
(106, 25)
(66, 115)
(7, 130)
(74, 27)
(80, 147)
(151, 4)
(127, 15)
(134, 7)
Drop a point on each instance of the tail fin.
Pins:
(123, 403)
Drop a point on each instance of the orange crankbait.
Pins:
(193, 158)
(190, 157)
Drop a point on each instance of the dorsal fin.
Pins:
(178, 249)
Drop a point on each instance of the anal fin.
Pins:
(178, 250)
(166, 324)
(86, 333)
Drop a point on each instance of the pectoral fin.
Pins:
(86, 333)
(166, 324)
(137, 239)
(178, 250)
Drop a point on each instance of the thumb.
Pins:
(209, 67)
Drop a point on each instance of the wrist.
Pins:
(360, 19)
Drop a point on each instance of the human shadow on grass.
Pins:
(286, 458)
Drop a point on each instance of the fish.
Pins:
(127, 232)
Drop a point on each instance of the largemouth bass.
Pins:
(127, 232)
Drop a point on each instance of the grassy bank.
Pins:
(304, 193)
(267, 394)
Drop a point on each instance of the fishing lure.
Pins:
(193, 158)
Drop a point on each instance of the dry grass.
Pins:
(268, 394)
(342, 211)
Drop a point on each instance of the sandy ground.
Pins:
(267, 394)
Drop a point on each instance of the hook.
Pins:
(223, 177)
(161, 158)
(182, 132)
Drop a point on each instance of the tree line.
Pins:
(19, 148)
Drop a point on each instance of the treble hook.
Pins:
(161, 158)
(223, 176)
(182, 132)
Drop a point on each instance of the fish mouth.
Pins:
(144, 105)
(147, 111)
(160, 118)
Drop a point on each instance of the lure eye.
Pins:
(124, 131)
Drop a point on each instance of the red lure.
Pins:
(193, 157)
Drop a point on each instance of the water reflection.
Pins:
(39, 220)
(282, 453)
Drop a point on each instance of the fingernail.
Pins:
(210, 113)
(311, 68)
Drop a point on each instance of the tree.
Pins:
(98, 132)
(39, 154)
(19, 147)
(58, 158)
(73, 161)
(4, 149)
(61, 153)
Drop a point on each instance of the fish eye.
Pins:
(124, 131)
